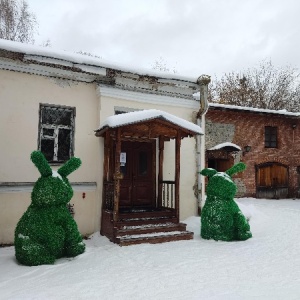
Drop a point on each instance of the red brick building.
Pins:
(267, 141)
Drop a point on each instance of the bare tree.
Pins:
(46, 43)
(161, 65)
(88, 54)
(17, 23)
(264, 86)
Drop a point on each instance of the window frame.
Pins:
(271, 132)
(56, 128)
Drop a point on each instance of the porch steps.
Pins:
(143, 221)
(154, 238)
(152, 233)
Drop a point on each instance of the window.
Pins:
(270, 137)
(122, 110)
(56, 132)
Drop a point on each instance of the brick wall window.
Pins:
(270, 137)
(56, 132)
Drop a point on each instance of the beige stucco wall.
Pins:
(20, 96)
(14, 204)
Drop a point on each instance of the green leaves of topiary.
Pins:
(221, 218)
(41, 163)
(47, 231)
(237, 168)
(208, 172)
(69, 167)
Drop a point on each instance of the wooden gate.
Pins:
(272, 181)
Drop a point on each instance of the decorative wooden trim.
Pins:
(106, 168)
(177, 173)
(154, 171)
(117, 176)
(160, 170)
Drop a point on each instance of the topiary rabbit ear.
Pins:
(41, 163)
(208, 172)
(70, 166)
(236, 169)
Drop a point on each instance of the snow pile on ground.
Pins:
(266, 266)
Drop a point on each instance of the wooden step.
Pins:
(154, 238)
(150, 228)
(136, 221)
(147, 214)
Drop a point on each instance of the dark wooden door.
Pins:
(138, 184)
(221, 165)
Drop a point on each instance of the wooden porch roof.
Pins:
(148, 124)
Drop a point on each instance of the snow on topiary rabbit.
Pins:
(221, 218)
(47, 230)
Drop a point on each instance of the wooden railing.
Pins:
(108, 195)
(168, 194)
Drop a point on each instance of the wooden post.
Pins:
(160, 171)
(106, 169)
(177, 173)
(117, 176)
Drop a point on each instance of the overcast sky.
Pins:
(193, 37)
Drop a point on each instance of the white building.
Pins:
(54, 101)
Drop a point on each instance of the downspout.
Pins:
(203, 82)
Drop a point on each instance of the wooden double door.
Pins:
(272, 181)
(137, 188)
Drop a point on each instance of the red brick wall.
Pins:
(249, 130)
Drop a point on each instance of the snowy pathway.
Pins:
(264, 267)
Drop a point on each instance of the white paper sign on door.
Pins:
(123, 158)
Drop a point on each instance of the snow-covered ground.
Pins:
(266, 266)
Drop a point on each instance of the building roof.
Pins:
(76, 58)
(283, 112)
(44, 61)
(137, 117)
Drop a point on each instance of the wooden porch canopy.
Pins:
(227, 146)
(142, 126)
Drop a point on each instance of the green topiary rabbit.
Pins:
(221, 218)
(47, 231)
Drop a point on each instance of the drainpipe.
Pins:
(203, 82)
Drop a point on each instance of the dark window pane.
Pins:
(57, 116)
(47, 147)
(64, 142)
(56, 148)
(270, 137)
(143, 164)
(123, 170)
(46, 115)
(48, 132)
(64, 117)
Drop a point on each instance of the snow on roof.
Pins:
(84, 59)
(253, 109)
(226, 144)
(144, 115)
